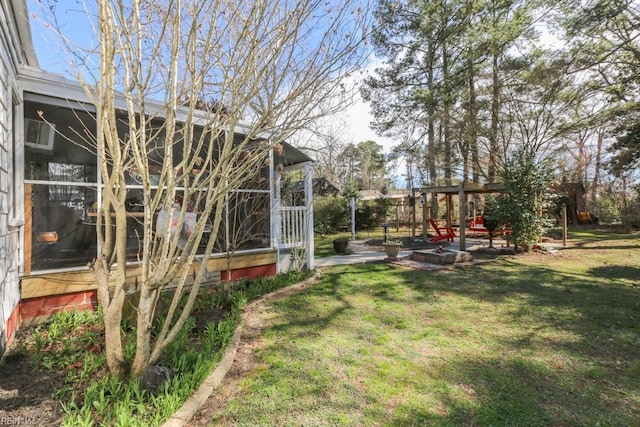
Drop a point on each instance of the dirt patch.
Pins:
(26, 393)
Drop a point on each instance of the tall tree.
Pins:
(506, 21)
(435, 53)
(366, 164)
(606, 43)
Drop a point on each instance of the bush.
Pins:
(609, 209)
(330, 214)
(527, 182)
(367, 218)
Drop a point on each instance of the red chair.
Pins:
(477, 225)
(447, 234)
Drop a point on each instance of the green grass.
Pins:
(533, 340)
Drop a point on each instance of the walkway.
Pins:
(358, 257)
(363, 253)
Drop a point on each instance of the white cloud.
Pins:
(358, 116)
(357, 119)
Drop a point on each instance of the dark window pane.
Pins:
(63, 231)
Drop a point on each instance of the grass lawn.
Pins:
(531, 340)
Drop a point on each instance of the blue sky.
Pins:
(74, 25)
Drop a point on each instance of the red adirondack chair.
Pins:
(445, 233)
(478, 225)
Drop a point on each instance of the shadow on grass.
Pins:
(598, 239)
(601, 318)
(589, 304)
(585, 326)
(616, 272)
(516, 392)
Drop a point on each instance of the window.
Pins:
(39, 134)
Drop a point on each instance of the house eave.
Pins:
(56, 86)
(23, 26)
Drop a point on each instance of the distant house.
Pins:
(50, 186)
(398, 196)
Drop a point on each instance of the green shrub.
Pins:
(330, 214)
(367, 218)
(527, 182)
(609, 209)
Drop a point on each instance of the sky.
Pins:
(52, 58)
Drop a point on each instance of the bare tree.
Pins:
(329, 143)
(276, 65)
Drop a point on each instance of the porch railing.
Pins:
(293, 226)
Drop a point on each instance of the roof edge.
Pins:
(23, 25)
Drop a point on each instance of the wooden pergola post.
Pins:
(564, 225)
(462, 189)
(426, 213)
(462, 202)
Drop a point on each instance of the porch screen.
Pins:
(62, 197)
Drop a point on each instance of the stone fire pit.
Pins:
(441, 256)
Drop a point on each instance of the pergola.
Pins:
(462, 190)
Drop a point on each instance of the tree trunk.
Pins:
(473, 124)
(596, 173)
(493, 134)
(431, 139)
(446, 119)
(146, 309)
(111, 306)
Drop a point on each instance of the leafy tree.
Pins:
(527, 195)
(626, 148)
(442, 84)
(604, 40)
(383, 205)
(367, 217)
(351, 190)
(365, 164)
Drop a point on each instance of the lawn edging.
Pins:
(193, 404)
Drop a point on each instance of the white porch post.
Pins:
(274, 200)
(16, 179)
(308, 203)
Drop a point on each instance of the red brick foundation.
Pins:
(35, 310)
(268, 270)
(11, 326)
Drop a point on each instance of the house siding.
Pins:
(9, 248)
(27, 297)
